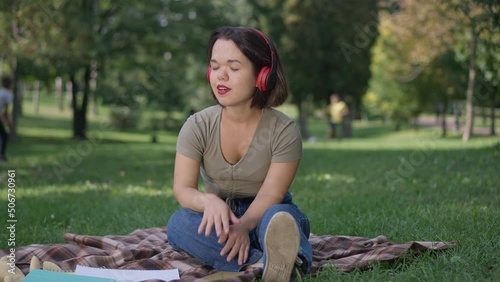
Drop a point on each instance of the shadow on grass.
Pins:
(27, 140)
(319, 128)
(451, 135)
(45, 122)
(48, 214)
(372, 131)
(57, 131)
(123, 164)
(413, 172)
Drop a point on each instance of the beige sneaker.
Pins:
(282, 242)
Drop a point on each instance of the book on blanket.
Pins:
(90, 274)
(39, 275)
(129, 275)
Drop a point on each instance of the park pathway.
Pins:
(430, 121)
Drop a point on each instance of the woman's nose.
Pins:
(222, 74)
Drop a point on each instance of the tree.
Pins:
(324, 45)
(60, 35)
(476, 30)
(127, 53)
(13, 45)
(440, 83)
(399, 58)
(424, 68)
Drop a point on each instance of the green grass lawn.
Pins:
(407, 185)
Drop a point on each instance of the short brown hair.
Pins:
(258, 51)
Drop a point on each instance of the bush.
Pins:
(124, 118)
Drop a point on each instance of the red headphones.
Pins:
(266, 79)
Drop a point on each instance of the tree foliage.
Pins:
(325, 47)
(128, 53)
(151, 54)
(425, 52)
(476, 29)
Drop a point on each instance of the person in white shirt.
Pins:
(6, 98)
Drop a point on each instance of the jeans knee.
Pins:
(288, 208)
(299, 216)
(173, 225)
(278, 208)
(173, 218)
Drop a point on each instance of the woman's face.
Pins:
(232, 75)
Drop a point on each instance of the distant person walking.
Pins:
(6, 98)
(337, 111)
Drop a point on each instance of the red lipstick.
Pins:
(222, 89)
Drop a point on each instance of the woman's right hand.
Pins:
(216, 213)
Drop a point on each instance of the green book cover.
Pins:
(39, 275)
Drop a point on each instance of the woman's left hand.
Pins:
(237, 243)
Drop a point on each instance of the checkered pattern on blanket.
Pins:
(149, 249)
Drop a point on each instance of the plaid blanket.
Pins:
(149, 249)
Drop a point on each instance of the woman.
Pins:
(247, 154)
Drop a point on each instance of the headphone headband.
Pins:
(266, 79)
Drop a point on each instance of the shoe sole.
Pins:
(282, 242)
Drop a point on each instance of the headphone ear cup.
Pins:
(262, 79)
(209, 70)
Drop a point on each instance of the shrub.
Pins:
(125, 118)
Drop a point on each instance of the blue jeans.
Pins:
(182, 231)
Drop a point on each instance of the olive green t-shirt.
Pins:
(276, 139)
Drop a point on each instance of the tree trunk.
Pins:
(469, 114)
(93, 87)
(443, 118)
(59, 93)
(347, 119)
(80, 113)
(397, 126)
(93, 104)
(347, 126)
(457, 111)
(484, 115)
(69, 93)
(302, 121)
(36, 96)
(492, 114)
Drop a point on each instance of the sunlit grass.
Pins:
(407, 185)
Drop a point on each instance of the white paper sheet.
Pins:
(127, 275)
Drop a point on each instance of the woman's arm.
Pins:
(216, 212)
(278, 180)
(186, 174)
(276, 184)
